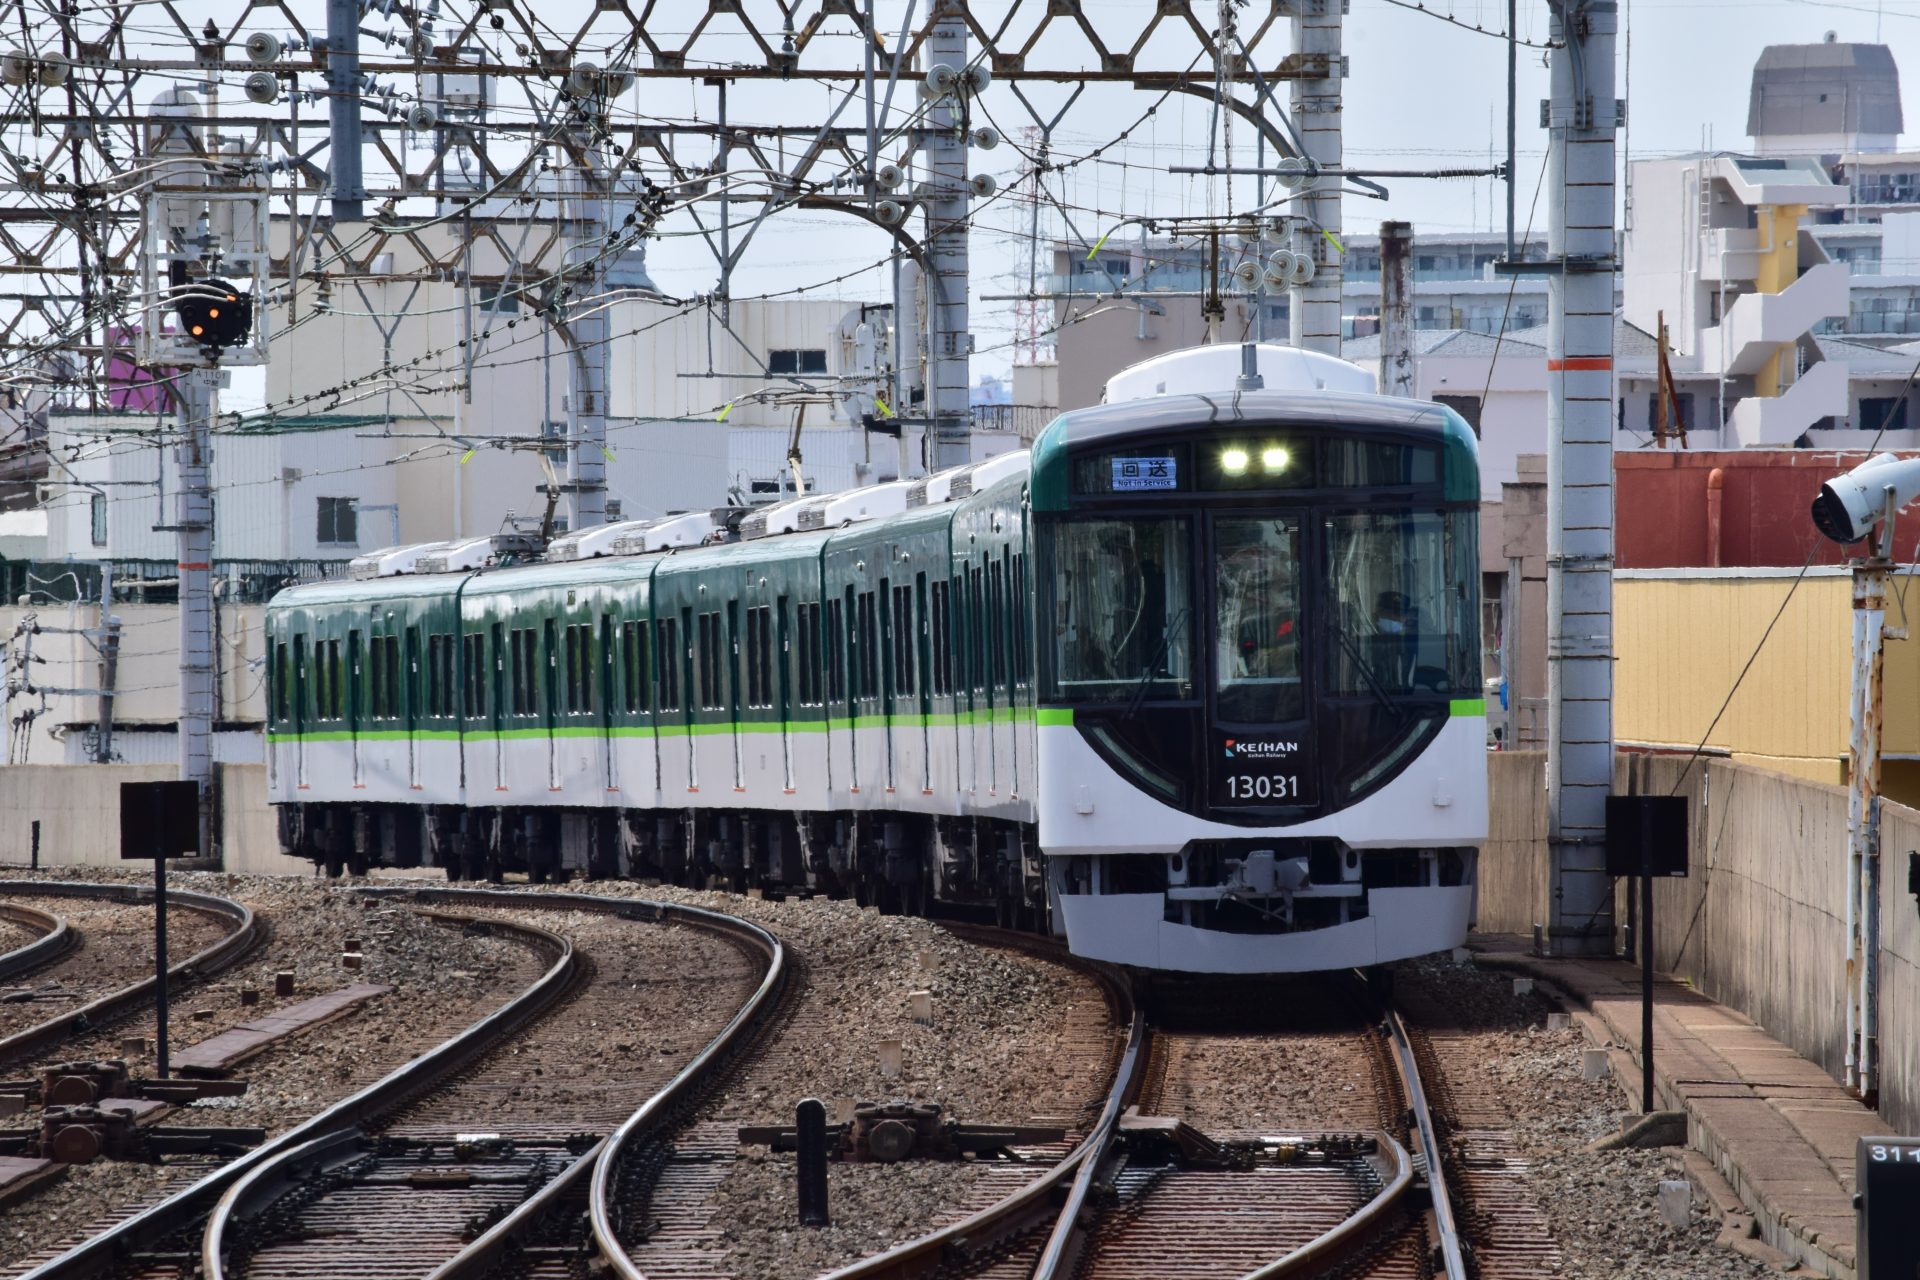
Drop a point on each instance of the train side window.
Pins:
(473, 688)
(806, 654)
(277, 674)
(939, 623)
(578, 652)
(997, 620)
(327, 684)
(760, 656)
(415, 694)
(1022, 641)
(356, 675)
(709, 656)
(440, 675)
(977, 627)
(869, 644)
(526, 653)
(300, 674)
(636, 673)
(836, 651)
(550, 698)
(667, 654)
(498, 673)
(377, 706)
(903, 641)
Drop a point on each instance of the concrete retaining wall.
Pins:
(1513, 863)
(78, 808)
(1759, 924)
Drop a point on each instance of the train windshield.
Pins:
(1123, 609)
(1388, 574)
(1257, 642)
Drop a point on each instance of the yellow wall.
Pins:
(1681, 642)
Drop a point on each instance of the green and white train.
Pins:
(1195, 682)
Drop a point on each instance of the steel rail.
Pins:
(1032, 1205)
(1336, 1241)
(53, 940)
(104, 1253)
(248, 933)
(481, 1256)
(1452, 1254)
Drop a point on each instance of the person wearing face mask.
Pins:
(1393, 627)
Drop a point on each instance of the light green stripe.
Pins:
(1467, 707)
(1054, 716)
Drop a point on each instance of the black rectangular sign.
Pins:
(159, 820)
(1886, 1172)
(1639, 824)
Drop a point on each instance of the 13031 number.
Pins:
(1262, 786)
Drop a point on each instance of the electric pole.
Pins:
(196, 390)
(950, 341)
(1315, 315)
(587, 330)
(1583, 117)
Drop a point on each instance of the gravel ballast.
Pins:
(1601, 1205)
(443, 980)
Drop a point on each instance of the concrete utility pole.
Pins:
(1870, 575)
(1583, 117)
(949, 340)
(587, 329)
(343, 97)
(193, 524)
(1396, 309)
(109, 666)
(1316, 117)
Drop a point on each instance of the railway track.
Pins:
(82, 966)
(50, 938)
(390, 1157)
(1182, 1177)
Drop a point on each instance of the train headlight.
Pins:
(1274, 459)
(1234, 461)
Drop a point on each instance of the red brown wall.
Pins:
(1662, 509)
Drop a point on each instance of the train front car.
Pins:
(1261, 740)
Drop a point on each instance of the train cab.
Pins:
(1260, 735)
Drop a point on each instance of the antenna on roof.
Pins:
(1249, 379)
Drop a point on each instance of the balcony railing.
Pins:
(1026, 420)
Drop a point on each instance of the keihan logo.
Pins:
(1268, 750)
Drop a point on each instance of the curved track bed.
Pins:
(49, 938)
(463, 1170)
(164, 1238)
(664, 1202)
(108, 975)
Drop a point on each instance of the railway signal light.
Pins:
(214, 313)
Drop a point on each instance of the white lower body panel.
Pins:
(1130, 929)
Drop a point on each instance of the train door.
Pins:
(608, 756)
(892, 680)
(783, 689)
(732, 702)
(300, 711)
(354, 679)
(496, 723)
(923, 649)
(851, 619)
(982, 679)
(411, 697)
(683, 656)
(962, 630)
(549, 691)
(1005, 760)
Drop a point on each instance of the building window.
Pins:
(99, 512)
(1882, 413)
(806, 360)
(498, 299)
(1467, 407)
(339, 522)
(1682, 408)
